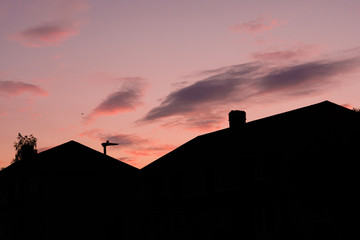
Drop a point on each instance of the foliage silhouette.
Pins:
(25, 148)
(356, 110)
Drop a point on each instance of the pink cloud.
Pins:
(94, 134)
(258, 25)
(118, 101)
(46, 34)
(133, 161)
(349, 106)
(141, 153)
(71, 15)
(152, 150)
(121, 139)
(300, 51)
(14, 88)
(131, 144)
(200, 120)
(126, 99)
(280, 55)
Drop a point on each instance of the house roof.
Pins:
(72, 158)
(73, 155)
(313, 126)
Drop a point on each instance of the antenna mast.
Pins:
(107, 143)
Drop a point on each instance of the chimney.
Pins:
(237, 119)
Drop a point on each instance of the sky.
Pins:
(152, 74)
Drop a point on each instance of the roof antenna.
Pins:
(107, 143)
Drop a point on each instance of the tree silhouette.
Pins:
(356, 110)
(25, 148)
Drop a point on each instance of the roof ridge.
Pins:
(75, 143)
(327, 102)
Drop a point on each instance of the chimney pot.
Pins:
(237, 119)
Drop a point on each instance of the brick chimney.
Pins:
(237, 119)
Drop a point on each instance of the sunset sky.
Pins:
(152, 74)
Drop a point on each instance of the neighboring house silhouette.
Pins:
(69, 192)
(289, 176)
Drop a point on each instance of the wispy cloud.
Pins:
(347, 105)
(261, 24)
(297, 52)
(311, 75)
(151, 150)
(45, 34)
(65, 21)
(133, 146)
(121, 139)
(14, 88)
(196, 105)
(124, 139)
(126, 99)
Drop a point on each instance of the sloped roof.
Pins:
(311, 126)
(72, 158)
(73, 155)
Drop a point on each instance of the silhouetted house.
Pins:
(69, 192)
(289, 176)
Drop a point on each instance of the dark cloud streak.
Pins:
(312, 74)
(214, 89)
(240, 83)
(125, 139)
(126, 99)
(121, 100)
(121, 139)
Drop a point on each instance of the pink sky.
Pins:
(151, 75)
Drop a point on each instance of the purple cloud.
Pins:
(312, 74)
(241, 83)
(14, 88)
(46, 34)
(126, 99)
(72, 15)
(131, 144)
(124, 139)
(121, 139)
